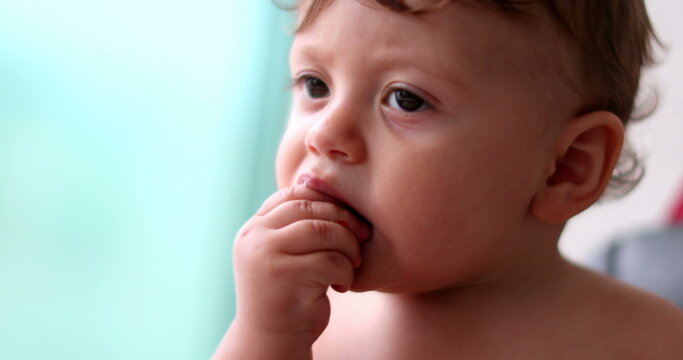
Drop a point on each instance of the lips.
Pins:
(329, 190)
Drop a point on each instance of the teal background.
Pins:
(136, 136)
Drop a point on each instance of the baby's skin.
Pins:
(299, 243)
(428, 168)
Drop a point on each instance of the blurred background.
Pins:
(137, 136)
(658, 139)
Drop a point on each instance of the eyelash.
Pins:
(390, 99)
(300, 82)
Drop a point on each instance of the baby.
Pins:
(434, 152)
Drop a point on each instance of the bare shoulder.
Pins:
(631, 323)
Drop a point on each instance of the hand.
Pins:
(298, 244)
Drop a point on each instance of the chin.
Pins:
(368, 279)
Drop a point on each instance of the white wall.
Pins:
(659, 138)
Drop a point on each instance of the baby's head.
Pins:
(466, 132)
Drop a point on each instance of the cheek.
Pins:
(290, 155)
(421, 197)
(446, 193)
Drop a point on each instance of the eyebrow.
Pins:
(451, 79)
(315, 54)
(312, 53)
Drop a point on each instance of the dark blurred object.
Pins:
(651, 260)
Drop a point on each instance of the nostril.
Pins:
(338, 154)
(332, 153)
(312, 149)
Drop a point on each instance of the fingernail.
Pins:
(339, 288)
(367, 232)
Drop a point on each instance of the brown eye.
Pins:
(315, 88)
(406, 101)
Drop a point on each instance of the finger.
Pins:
(321, 269)
(296, 210)
(296, 192)
(310, 236)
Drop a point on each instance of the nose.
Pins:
(338, 135)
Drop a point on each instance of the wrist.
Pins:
(244, 342)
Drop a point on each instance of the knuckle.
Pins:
(320, 208)
(306, 206)
(259, 246)
(244, 231)
(274, 267)
(320, 228)
(250, 232)
(287, 193)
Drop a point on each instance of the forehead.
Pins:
(454, 36)
(462, 41)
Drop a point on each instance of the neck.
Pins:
(504, 302)
(524, 283)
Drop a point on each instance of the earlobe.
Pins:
(586, 151)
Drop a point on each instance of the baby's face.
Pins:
(437, 129)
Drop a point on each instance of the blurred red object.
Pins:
(677, 211)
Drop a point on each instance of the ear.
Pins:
(585, 153)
